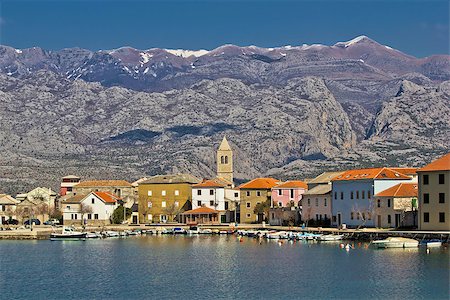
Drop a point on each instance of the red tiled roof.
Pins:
(107, 197)
(95, 183)
(405, 171)
(260, 183)
(201, 210)
(208, 183)
(374, 173)
(440, 164)
(292, 184)
(400, 190)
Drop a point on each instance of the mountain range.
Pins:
(288, 112)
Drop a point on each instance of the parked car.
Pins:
(52, 222)
(11, 222)
(34, 221)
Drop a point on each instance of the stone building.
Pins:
(120, 188)
(225, 161)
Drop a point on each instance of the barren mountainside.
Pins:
(287, 111)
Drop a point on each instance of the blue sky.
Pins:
(419, 28)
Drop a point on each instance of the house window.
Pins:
(363, 194)
(177, 204)
(248, 204)
(441, 179)
(441, 217)
(258, 193)
(149, 204)
(248, 216)
(441, 197)
(368, 195)
(149, 193)
(163, 193)
(351, 195)
(199, 192)
(248, 193)
(211, 203)
(211, 192)
(426, 217)
(280, 192)
(226, 159)
(93, 201)
(280, 204)
(292, 194)
(351, 215)
(378, 203)
(388, 202)
(426, 198)
(68, 207)
(317, 202)
(426, 179)
(325, 202)
(96, 216)
(163, 204)
(222, 160)
(335, 195)
(357, 194)
(76, 216)
(317, 217)
(342, 195)
(309, 202)
(177, 192)
(325, 216)
(89, 216)
(226, 205)
(236, 195)
(357, 215)
(389, 219)
(199, 203)
(369, 216)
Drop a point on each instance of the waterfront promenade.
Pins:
(43, 232)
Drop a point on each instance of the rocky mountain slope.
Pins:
(288, 112)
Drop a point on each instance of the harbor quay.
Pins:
(364, 234)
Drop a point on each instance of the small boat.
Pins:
(93, 235)
(193, 230)
(205, 231)
(396, 242)
(111, 233)
(434, 243)
(281, 235)
(68, 234)
(178, 230)
(330, 237)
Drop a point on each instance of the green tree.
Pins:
(262, 210)
(117, 217)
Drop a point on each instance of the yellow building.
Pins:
(163, 197)
(434, 191)
(225, 161)
(256, 191)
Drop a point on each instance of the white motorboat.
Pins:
(330, 237)
(93, 235)
(280, 235)
(68, 234)
(111, 233)
(431, 243)
(396, 242)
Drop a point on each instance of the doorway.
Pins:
(379, 221)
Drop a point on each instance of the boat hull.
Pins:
(68, 237)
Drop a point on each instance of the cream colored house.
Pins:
(434, 192)
(7, 208)
(316, 205)
(396, 206)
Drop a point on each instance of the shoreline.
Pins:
(365, 234)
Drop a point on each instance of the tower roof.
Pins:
(224, 145)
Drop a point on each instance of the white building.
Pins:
(353, 192)
(216, 194)
(95, 208)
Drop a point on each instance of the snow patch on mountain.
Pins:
(187, 53)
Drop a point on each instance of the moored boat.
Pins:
(68, 234)
(330, 237)
(396, 242)
(434, 243)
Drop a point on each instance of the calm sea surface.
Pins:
(216, 267)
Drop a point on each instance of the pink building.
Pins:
(288, 193)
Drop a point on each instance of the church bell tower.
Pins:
(225, 161)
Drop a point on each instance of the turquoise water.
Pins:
(216, 267)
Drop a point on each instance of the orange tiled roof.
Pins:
(400, 190)
(440, 164)
(260, 183)
(374, 173)
(107, 197)
(95, 183)
(292, 184)
(201, 210)
(206, 183)
(406, 171)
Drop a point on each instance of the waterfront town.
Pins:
(379, 197)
